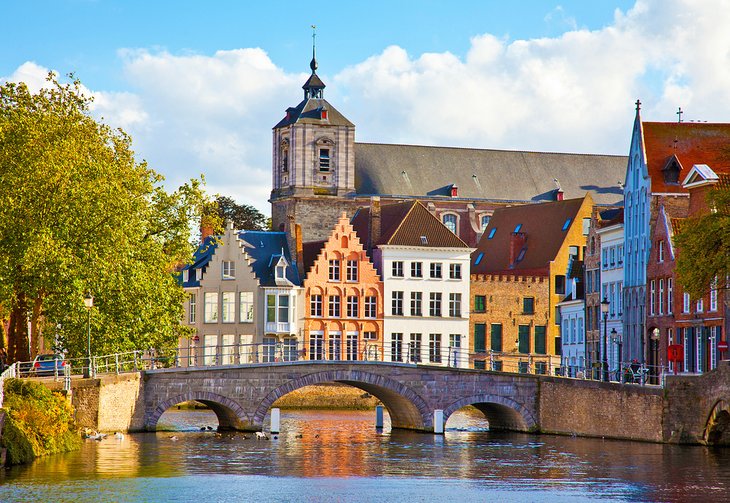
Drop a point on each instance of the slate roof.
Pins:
(308, 112)
(409, 170)
(406, 224)
(264, 248)
(541, 223)
(201, 258)
(691, 142)
(311, 251)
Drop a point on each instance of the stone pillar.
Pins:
(275, 420)
(438, 421)
(378, 416)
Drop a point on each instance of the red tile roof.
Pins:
(542, 224)
(404, 224)
(692, 143)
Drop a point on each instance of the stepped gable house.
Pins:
(319, 171)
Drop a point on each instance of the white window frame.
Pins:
(455, 305)
(670, 295)
(351, 272)
(652, 297)
(192, 308)
(315, 305)
(453, 219)
(713, 296)
(353, 306)
(333, 272)
(211, 307)
(246, 307)
(371, 306)
(454, 271)
(228, 269)
(228, 307)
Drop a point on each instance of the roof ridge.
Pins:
(587, 154)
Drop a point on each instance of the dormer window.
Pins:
(671, 171)
(323, 114)
(280, 271)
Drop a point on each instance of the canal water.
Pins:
(338, 456)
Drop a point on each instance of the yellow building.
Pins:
(520, 271)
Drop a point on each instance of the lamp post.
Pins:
(654, 371)
(616, 338)
(88, 304)
(604, 367)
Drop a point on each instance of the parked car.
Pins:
(48, 364)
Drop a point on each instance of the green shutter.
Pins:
(524, 339)
(496, 337)
(540, 340)
(480, 334)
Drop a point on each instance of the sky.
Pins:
(199, 85)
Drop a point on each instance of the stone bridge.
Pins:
(689, 409)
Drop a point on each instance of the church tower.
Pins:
(313, 162)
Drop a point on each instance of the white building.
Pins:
(612, 278)
(573, 335)
(425, 272)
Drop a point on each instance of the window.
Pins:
(491, 233)
(324, 159)
(228, 269)
(277, 308)
(670, 296)
(685, 303)
(370, 336)
(496, 337)
(450, 222)
(620, 255)
(246, 307)
(229, 307)
(334, 346)
(480, 304)
(434, 348)
(370, 307)
(661, 296)
(540, 339)
(560, 284)
(192, 301)
(700, 306)
(281, 270)
(566, 224)
(416, 301)
(660, 250)
(397, 304)
(334, 306)
(351, 348)
(485, 222)
(416, 270)
(652, 295)
(315, 305)
(396, 347)
(316, 346)
(604, 259)
(435, 304)
(352, 270)
(480, 335)
(211, 307)
(523, 339)
(352, 306)
(435, 269)
(528, 305)
(227, 346)
(455, 305)
(479, 258)
(713, 295)
(397, 268)
(455, 271)
(334, 270)
(414, 348)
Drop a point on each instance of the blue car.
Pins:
(48, 365)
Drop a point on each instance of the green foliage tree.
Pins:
(704, 247)
(243, 216)
(79, 215)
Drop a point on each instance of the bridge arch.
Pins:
(407, 409)
(717, 428)
(230, 414)
(502, 413)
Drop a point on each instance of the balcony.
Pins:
(277, 328)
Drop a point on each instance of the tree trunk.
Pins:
(18, 350)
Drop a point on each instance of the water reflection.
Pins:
(340, 455)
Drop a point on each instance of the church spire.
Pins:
(314, 86)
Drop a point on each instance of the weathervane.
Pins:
(679, 114)
(313, 64)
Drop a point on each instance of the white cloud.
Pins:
(191, 114)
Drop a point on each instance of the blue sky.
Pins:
(200, 84)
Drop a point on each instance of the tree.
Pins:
(704, 247)
(79, 215)
(242, 216)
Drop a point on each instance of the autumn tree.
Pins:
(243, 216)
(79, 215)
(704, 247)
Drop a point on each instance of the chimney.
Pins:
(558, 194)
(299, 251)
(454, 190)
(516, 243)
(206, 228)
(374, 222)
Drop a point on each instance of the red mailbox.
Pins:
(675, 353)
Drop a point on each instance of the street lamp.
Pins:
(88, 304)
(604, 367)
(616, 339)
(654, 352)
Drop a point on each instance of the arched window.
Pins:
(449, 221)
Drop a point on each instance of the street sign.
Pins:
(722, 346)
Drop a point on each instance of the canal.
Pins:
(338, 456)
